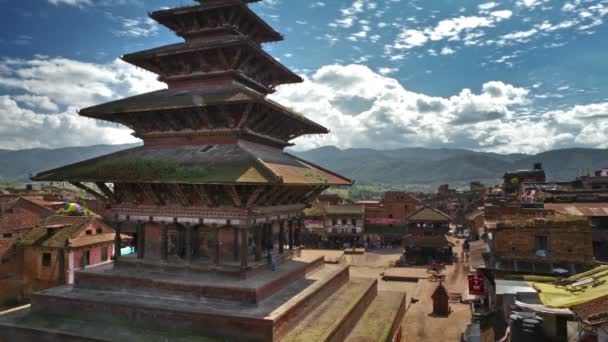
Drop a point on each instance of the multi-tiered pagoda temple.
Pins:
(212, 199)
(211, 180)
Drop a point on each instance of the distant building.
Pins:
(17, 217)
(512, 180)
(51, 252)
(426, 236)
(394, 205)
(334, 226)
(543, 245)
(597, 214)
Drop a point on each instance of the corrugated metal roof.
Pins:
(504, 286)
(579, 209)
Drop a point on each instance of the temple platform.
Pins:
(182, 281)
(302, 300)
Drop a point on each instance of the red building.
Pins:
(512, 180)
(18, 217)
(385, 219)
(54, 249)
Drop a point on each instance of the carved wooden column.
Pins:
(235, 243)
(164, 241)
(117, 241)
(218, 245)
(140, 240)
(290, 234)
(270, 228)
(281, 236)
(188, 242)
(257, 231)
(298, 232)
(244, 247)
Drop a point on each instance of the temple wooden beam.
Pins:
(204, 195)
(234, 196)
(255, 195)
(149, 192)
(245, 116)
(278, 194)
(236, 59)
(90, 191)
(106, 191)
(178, 192)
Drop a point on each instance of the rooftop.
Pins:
(429, 214)
(175, 99)
(243, 163)
(242, 42)
(166, 17)
(68, 227)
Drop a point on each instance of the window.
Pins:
(46, 259)
(541, 242)
(344, 221)
(7, 235)
(88, 232)
(86, 259)
(104, 254)
(98, 231)
(335, 221)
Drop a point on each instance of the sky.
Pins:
(520, 76)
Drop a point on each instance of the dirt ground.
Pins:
(421, 325)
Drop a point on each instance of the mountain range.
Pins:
(419, 169)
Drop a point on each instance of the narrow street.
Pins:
(421, 325)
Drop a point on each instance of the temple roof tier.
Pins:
(184, 64)
(240, 163)
(212, 18)
(230, 106)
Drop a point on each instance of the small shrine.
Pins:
(441, 301)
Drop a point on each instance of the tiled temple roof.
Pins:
(168, 99)
(428, 214)
(241, 163)
(286, 75)
(166, 17)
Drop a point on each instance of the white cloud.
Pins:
(138, 27)
(23, 128)
(37, 102)
(42, 113)
(367, 109)
(362, 108)
(78, 3)
(503, 14)
(408, 39)
(530, 3)
(447, 51)
(487, 6)
(453, 29)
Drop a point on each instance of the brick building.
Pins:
(512, 179)
(16, 218)
(385, 219)
(543, 245)
(51, 252)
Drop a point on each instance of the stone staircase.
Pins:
(308, 302)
